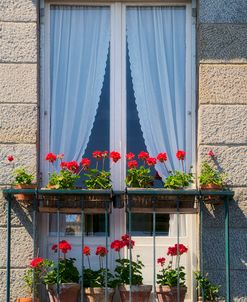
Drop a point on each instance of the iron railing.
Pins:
(133, 200)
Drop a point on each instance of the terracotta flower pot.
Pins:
(97, 294)
(212, 187)
(69, 292)
(27, 299)
(24, 197)
(170, 294)
(139, 293)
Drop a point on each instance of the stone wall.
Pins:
(18, 126)
(222, 59)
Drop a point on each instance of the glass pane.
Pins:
(142, 224)
(70, 225)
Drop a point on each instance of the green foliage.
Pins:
(139, 178)
(97, 278)
(208, 290)
(67, 272)
(122, 271)
(178, 180)
(169, 276)
(65, 179)
(98, 179)
(32, 279)
(210, 175)
(22, 177)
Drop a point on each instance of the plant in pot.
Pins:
(62, 278)
(139, 176)
(99, 177)
(98, 284)
(179, 179)
(23, 180)
(207, 290)
(32, 279)
(171, 278)
(129, 273)
(211, 178)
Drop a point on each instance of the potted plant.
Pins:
(129, 274)
(23, 180)
(32, 279)
(94, 281)
(207, 290)
(62, 279)
(210, 178)
(170, 276)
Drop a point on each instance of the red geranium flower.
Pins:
(180, 154)
(143, 155)
(86, 250)
(115, 156)
(151, 161)
(177, 250)
(64, 246)
(51, 157)
(130, 155)
(63, 165)
(211, 153)
(36, 262)
(117, 245)
(60, 156)
(10, 158)
(73, 166)
(172, 251)
(105, 153)
(161, 261)
(97, 154)
(127, 241)
(101, 251)
(54, 248)
(85, 163)
(162, 157)
(132, 164)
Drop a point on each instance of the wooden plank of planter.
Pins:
(71, 210)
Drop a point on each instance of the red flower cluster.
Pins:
(51, 157)
(73, 166)
(101, 251)
(64, 247)
(85, 162)
(97, 154)
(180, 154)
(36, 262)
(132, 164)
(161, 261)
(10, 158)
(105, 154)
(86, 250)
(63, 165)
(162, 157)
(143, 155)
(151, 161)
(130, 156)
(117, 245)
(177, 250)
(211, 153)
(115, 156)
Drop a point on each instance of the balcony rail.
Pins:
(133, 200)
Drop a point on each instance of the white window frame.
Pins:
(118, 100)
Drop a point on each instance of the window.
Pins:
(119, 77)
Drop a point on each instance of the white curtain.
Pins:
(79, 46)
(156, 41)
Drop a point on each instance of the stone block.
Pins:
(214, 240)
(18, 123)
(223, 11)
(19, 83)
(25, 156)
(214, 216)
(21, 10)
(17, 285)
(230, 159)
(223, 43)
(223, 84)
(223, 124)
(18, 42)
(21, 247)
